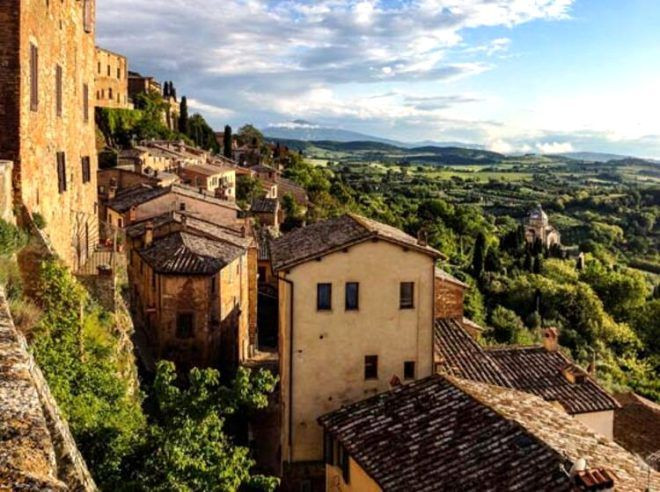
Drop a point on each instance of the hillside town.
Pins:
(383, 381)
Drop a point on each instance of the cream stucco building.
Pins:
(356, 304)
(538, 228)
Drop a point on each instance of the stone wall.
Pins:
(111, 81)
(6, 201)
(32, 135)
(448, 299)
(37, 450)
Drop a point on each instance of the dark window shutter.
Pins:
(61, 172)
(85, 103)
(344, 462)
(34, 77)
(58, 90)
(86, 171)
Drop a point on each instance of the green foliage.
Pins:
(227, 143)
(75, 348)
(248, 188)
(11, 238)
(249, 135)
(508, 327)
(479, 256)
(39, 221)
(184, 126)
(187, 448)
(202, 134)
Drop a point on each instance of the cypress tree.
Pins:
(479, 256)
(227, 143)
(183, 117)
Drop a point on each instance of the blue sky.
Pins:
(512, 75)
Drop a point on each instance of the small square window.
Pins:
(409, 370)
(185, 325)
(371, 367)
(324, 297)
(407, 295)
(352, 296)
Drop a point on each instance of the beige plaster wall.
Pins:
(600, 422)
(329, 347)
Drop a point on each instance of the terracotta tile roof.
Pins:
(539, 371)
(442, 275)
(205, 169)
(531, 369)
(445, 433)
(136, 195)
(327, 236)
(264, 205)
(458, 354)
(182, 253)
(637, 426)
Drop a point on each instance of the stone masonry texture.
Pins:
(31, 137)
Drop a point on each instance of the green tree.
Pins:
(202, 134)
(183, 117)
(248, 188)
(479, 256)
(188, 447)
(249, 135)
(227, 143)
(509, 328)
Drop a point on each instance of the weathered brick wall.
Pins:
(6, 203)
(9, 80)
(111, 80)
(56, 28)
(37, 450)
(448, 299)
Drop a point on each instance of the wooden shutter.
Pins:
(58, 90)
(34, 77)
(86, 171)
(61, 172)
(85, 103)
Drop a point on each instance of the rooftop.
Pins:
(442, 275)
(206, 169)
(637, 426)
(461, 355)
(532, 369)
(327, 236)
(182, 253)
(443, 433)
(264, 205)
(539, 371)
(131, 197)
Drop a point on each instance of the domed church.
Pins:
(537, 226)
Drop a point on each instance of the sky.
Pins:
(542, 76)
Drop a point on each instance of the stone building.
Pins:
(538, 228)
(143, 202)
(190, 295)
(111, 80)
(216, 179)
(446, 433)
(356, 304)
(267, 211)
(137, 84)
(47, 55)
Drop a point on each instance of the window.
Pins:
(61, 172)
(182, 207)
(409, 370)
(85, 103)
(110, 93)
(34, 78)
(58, 90)
(344, 461)
(86, 172)
(88, 16)
(352, 296)
(213, 284)
(407, 295)
(371, 367)
(324, 297)
(119, 73)
(185, 325)
(108, 70)
(329, 449)
(99, 68)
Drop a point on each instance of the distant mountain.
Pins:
(593, 156)
(308, 131)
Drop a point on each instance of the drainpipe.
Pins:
(291, 333)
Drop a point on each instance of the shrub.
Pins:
(39, 220)
(11, 238)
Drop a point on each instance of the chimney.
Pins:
(422, 238)
(243, 231)
(551, 339)
(148, 234)
(112, 192)
(395, 381)
(132, 214)
(184, 222)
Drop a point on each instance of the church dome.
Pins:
(538, 215)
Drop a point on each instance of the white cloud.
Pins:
(554, 147)
(210, 108)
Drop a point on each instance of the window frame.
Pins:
(355, 305)
(188, 315)
(370, 364)
(322, 306)
(61, 172)
(406, 366)
(86, 164)
(404, 302)
(59, 88)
